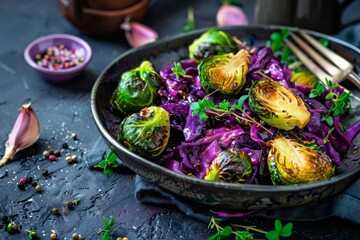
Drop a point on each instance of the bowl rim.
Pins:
(58, 72)
(256, 188)
(115, 12)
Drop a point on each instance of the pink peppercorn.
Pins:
(22, 180)
(52, 157)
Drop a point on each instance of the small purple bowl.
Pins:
(41, 44)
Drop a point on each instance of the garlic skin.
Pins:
(25, 132)
(230, 15)
(138, 34)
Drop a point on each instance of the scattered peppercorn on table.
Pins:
(48, 191)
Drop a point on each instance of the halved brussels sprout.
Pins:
(212, 42)
(291, 161)
(225, 73)
(230, 166)
(278, 105)
(137, 89)
(304, 78)
(146, 132)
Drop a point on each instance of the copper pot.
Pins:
(109, 4)
(98, 22)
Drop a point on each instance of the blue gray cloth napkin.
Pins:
(345, 205)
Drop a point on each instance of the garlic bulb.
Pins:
(25, 132)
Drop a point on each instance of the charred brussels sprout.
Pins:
(137, 89)
(278, 105)
(146, 132)
(230, 166)
(304, 78)
(291, 161)
(212, 42)
(225, 73)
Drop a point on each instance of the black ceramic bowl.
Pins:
(226, 195)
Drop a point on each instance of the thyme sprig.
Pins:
(224, 232)
(204, 107)
(341, 102)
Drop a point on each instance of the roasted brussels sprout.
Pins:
(292, 161)
(146, 132)
(225, 73)
(230, 166)
(211, 42)
(304, 78)
(278, 105)
(137, 89)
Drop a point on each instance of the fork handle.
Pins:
(354, 78)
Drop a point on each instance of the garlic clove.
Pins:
(230, 15)
(25, 132)
(138, 34)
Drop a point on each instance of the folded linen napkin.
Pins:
(346, 205)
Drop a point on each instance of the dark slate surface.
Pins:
(64, 109)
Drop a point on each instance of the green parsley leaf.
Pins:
(286, 230)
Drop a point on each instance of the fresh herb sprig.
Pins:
(341, 103)
(204, 107)
(224, 232)
(108, 164)
(178, 71)
(277, 44)
(190, 23)
(109, 225)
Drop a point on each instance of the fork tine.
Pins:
(336, 73)
(310, 64)
(339, 61)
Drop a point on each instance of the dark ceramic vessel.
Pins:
(104, 21)
(224, 195)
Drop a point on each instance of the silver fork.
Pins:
(333, 67)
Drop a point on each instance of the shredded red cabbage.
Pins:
(199, 142)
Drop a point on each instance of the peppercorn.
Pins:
(57, 153)
(58, 57)
(69, 159)
(69, 204)
(21, 186)
(45, 172)
(52, 157)
(5, 219)
(29, 179)
(74, 158)
(38, 188)
(75, 236)
(73, 136)
(53, 236)
(33, 183)
(55, 211)
(22, 180)
(51, 152)
(65, 146)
